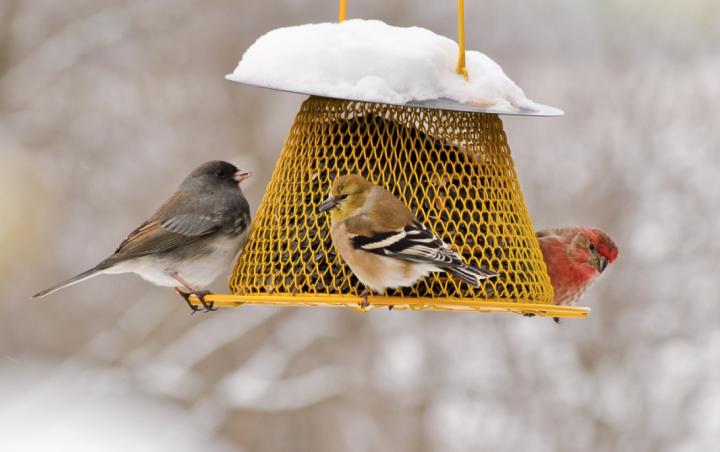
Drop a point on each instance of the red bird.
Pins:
(575, 257)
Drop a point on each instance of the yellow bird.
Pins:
(383, 242)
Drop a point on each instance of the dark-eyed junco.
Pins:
(190, 240)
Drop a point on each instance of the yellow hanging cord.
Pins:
(342, 11)
(461, 40)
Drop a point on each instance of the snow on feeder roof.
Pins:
(371, 61)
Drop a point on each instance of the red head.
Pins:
(592, 247)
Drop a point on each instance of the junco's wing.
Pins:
(153, 236)
(156, 236)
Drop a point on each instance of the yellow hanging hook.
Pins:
(461, 40)
(342, 12)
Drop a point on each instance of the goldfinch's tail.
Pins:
(469, 274)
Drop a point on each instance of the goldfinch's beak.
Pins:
(241, 175)
(329, 204)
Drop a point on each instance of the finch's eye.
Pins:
(220, 173)
(592, 248)
(342, 197)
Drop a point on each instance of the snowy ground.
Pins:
(74, 407)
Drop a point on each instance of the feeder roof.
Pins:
(368, 60)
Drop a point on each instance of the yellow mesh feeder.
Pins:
(448, 162)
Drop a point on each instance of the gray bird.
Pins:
(191, 238)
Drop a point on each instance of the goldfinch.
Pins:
(382, 241)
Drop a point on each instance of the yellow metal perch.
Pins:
(376, 301)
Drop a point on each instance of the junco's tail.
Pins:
(69, 282)
(469, 274)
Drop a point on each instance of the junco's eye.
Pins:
(220, 173)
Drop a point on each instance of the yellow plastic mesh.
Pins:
(453, 169)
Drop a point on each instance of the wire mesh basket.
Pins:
(452, 168)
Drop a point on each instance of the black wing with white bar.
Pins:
(416, 243)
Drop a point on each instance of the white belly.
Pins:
(199, 272)
(377, 272)
(393, 272)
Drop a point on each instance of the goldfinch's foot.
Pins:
(557, 320)
(364, 303)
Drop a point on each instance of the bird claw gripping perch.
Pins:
(200, 294)
(364, 303)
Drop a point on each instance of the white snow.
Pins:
(74, 407)
(369, 60)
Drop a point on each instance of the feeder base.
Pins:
(413, 304)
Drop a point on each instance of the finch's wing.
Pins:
(155, 236)
(550, 239)
(413, 243)
(548, 234)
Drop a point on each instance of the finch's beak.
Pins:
(603, 262)
(329, 204)
(241, 175)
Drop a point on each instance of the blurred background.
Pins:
(104, 108)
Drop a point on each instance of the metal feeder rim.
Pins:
(398, 303)
(433, 104)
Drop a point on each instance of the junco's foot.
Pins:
(200, 294)
(190, 240)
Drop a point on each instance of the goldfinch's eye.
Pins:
(342, 197)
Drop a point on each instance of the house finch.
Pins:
(575, 257)
(191, 238)
(382, 241)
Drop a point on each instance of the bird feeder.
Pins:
(449, 162)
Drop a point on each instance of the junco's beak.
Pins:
(241, 175)
(329, 204)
